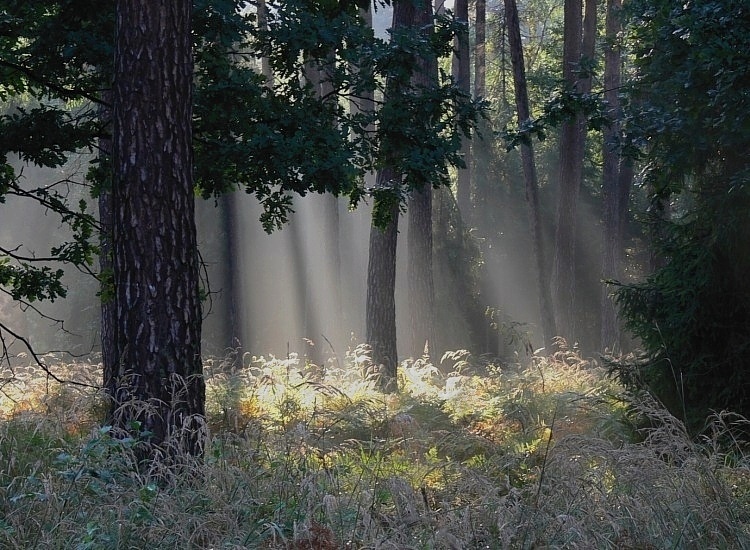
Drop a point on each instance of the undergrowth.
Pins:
(469, 454)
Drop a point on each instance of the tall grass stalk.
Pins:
(469, 454)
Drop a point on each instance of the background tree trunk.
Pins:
(617, 174)
(158, 326)
(529, 173)
(571, 172)
(265, 63)
(301, 273)
(419, 272)
(588, 47)
(319, 76)
(480, 58)
(419, 209)
(332, 243)
(462, 76)
(231, 289)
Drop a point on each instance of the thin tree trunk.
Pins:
(381, 295)
(333, 221)
(319, 76)
(419, 209)
(332, 247)
(265, 63)
(462, 76)
(301, 276)
(616, 172)
(588, 46)
(480, 58)
(364, 103)
(155, 255)
(571, 171)
(529, 172)
(659, 212)
(419, 272)
(232, 286)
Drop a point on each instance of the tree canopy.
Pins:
(272, 139)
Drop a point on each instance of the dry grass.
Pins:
(470, 454)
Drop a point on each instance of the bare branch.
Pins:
(25, 305)
(17, 191)
(37, 359)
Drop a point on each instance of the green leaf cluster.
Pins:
(286, 140)
(31, 283)
(563, 106)
(273, 139)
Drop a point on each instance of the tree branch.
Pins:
(62, 90)
(38, 360)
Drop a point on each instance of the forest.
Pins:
(387, 274)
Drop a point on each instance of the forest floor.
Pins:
(546, 453)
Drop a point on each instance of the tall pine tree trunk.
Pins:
(571, 172)
(155, 258)
(381, 271)
(332, 247)
(231, 288)
(480, 57)
(332, 222)
(529, 173)
(617, 175)
(381, 294)
(462, 77)
(419, 209)
(303, 295)
(319, 75)
(419, 272)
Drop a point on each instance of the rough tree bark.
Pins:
(529, 173)
(156, 281)
(588, 45)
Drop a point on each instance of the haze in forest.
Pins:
(606, 166)
(286, 298)
(285, 287)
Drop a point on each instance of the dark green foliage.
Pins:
(562, 107)
(44, 135)
(271, 139)
(418, 129)
(693, 314)
(47, 55)
(29, 282)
